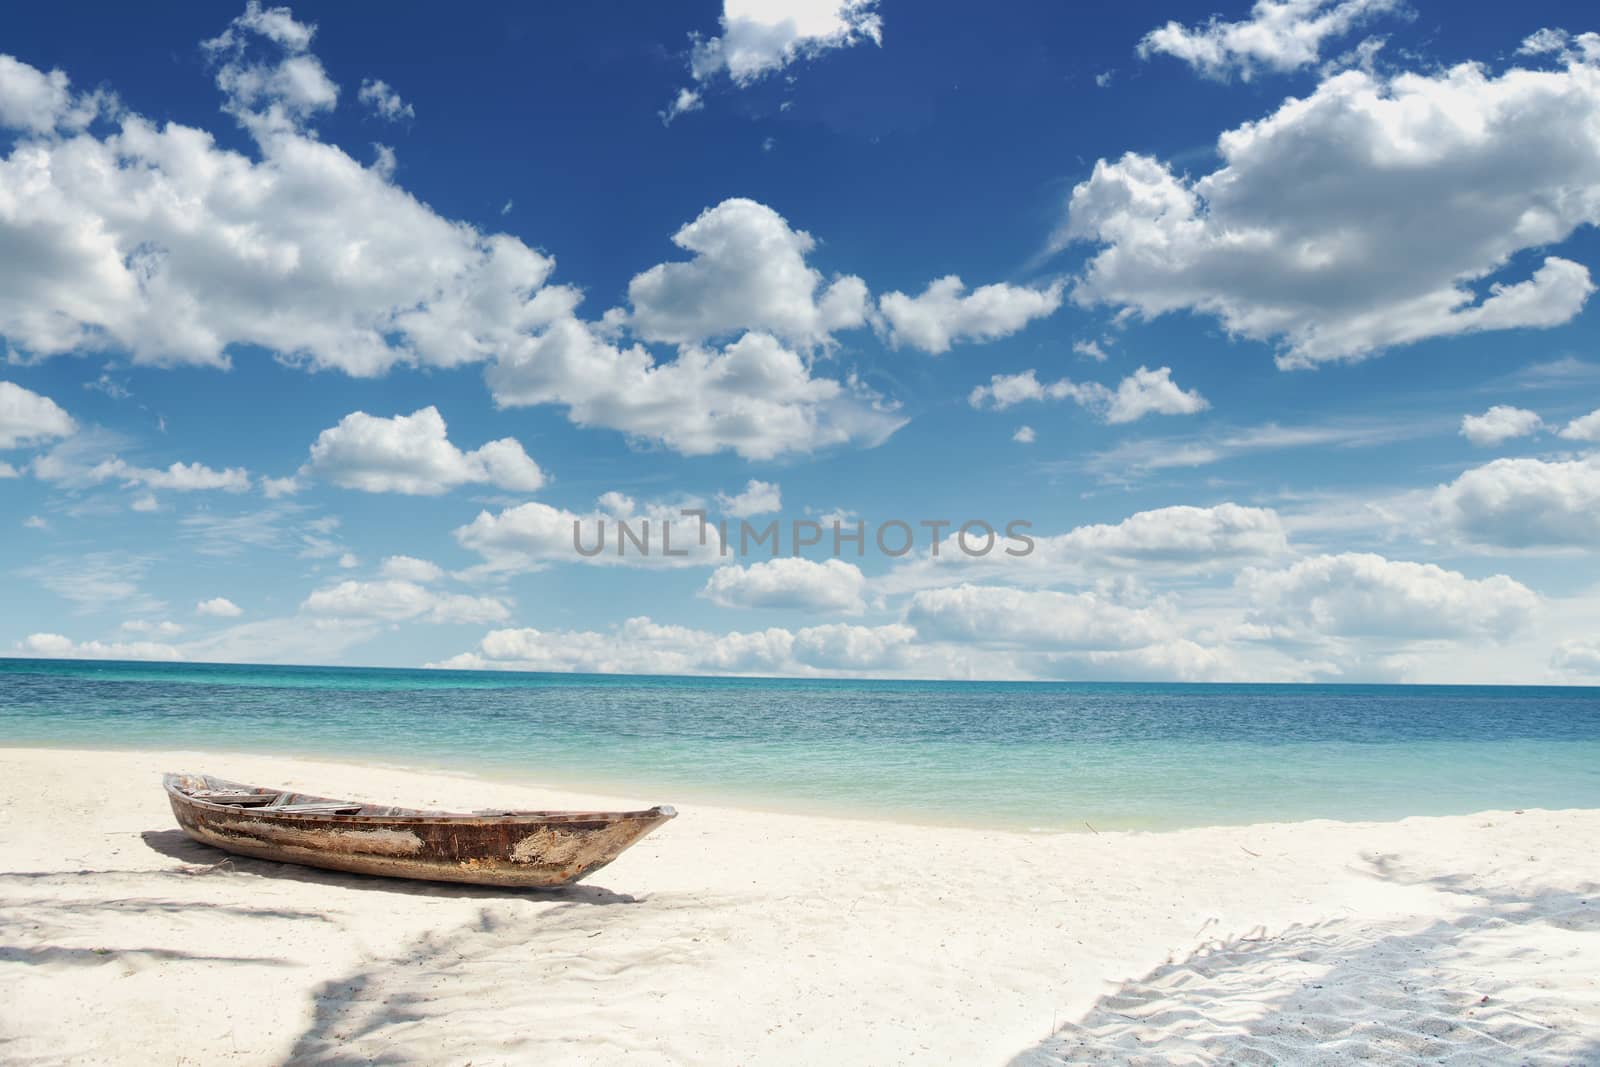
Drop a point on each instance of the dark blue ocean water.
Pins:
(1047, 756)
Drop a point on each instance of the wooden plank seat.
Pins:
(235, 797)
(316, 809)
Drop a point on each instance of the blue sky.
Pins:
(322, 329)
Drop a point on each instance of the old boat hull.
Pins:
(534, 849)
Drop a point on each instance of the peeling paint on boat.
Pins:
(381, 841)
(547, 846)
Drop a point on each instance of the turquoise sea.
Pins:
(1020, 755)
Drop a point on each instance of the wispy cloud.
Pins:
(278, 528)
(1568, 372)
(1135, 458)
(97, 580)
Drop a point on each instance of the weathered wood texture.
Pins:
(513, 848)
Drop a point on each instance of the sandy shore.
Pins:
(751, 938)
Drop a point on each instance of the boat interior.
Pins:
(282, 802)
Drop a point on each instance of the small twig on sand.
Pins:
(1257, 855)
(197, 869)
(1092, 830)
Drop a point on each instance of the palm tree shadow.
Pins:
(63, 956)
(1446, 989)
(205, 859)
(536, 980)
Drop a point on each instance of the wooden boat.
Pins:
(505, 848)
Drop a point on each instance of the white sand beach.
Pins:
(742, 937)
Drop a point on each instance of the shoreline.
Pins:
(614, 793)
(743, 936)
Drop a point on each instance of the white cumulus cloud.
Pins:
(178, 477)
(378, 95)
(297, 248)
(1577, 657)
(273, 88)
(1366, 595)
(1151, 392)
(535, 535)
(1177, 540)
(413, 454)
(643, 646)
(1560, 43)
(755, 396)
(762, 37)
(800, 584)
(945, 313)
(219, 607)
(749, 272)
(1524, 503)
(26, 418)
(56, 646)
(294, 246)
(41, 103)
(1002, 617)
(86, 460)
(1279, 35)
(1365, 215)
(1583, 428)
(840, 646)
(1144, 392)
(686, 101)
(1181, 534)
(758, 498)
(1499, 424)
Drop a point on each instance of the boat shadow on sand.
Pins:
(175, 844)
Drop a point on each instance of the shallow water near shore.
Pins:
(1043, 756)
